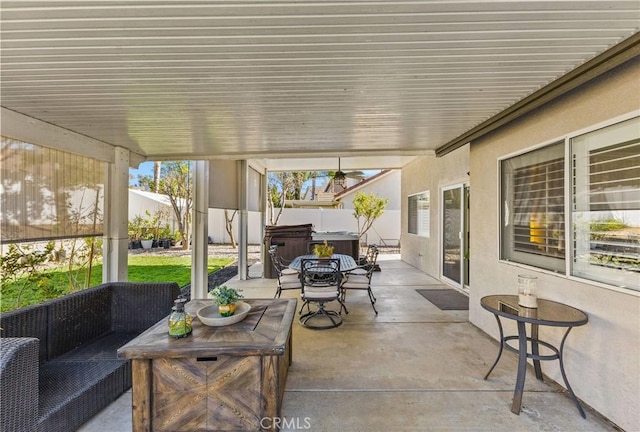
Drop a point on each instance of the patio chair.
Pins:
(366, 261)
(321, 284)
(360, 279)
(288, 279)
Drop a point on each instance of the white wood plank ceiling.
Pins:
(193, 79)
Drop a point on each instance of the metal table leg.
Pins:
(502, 342)
(564, 375)
(535, 351)
(522, 368)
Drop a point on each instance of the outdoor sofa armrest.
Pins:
(18, 384)
(136, 306)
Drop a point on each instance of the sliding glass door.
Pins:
(455, 235)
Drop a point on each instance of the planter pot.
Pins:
(146, 244)
(227, 310)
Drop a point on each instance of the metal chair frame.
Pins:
(288, 279)
(360, 278)
(321, 279)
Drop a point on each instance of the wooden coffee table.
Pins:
(219, 378)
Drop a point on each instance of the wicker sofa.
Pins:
(58, 362)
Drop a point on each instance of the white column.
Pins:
(200, 231)
(116, 215)
(243, 220)
(264, 218)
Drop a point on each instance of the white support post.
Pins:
(243, 220)
(264, 217)
(200, 231)
(116, 237)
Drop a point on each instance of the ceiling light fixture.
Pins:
(339, 178)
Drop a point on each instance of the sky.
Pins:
(146, 168)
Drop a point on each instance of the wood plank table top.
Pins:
(264, 331)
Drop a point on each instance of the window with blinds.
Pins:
(533, 216)
(47, 194)
(418, 213)
(606, 204)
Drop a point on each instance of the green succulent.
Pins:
(223, 295)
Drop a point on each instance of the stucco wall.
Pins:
(602, 357)
(429, 174)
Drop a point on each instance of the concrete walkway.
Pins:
(412, 368)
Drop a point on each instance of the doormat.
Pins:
(446, 299)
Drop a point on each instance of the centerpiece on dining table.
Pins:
(323, 250)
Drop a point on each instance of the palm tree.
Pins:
(157, 165)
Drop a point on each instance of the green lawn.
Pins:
(142, 268)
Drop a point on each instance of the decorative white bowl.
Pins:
(210, 316)
(192, 307)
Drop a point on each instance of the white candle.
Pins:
(527, 285)
(527, 300)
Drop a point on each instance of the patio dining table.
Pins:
(347, 263)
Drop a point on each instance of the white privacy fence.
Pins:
(385, 230)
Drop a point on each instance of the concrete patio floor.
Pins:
(413, 367)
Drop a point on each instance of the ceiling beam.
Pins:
(603, 63)
(30, 130)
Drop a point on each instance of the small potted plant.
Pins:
(323, 250)
(226, 298)
(147, 243)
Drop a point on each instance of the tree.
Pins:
(294, 182)
(367, 208)
(157, 168)
(229, 225)
(24, 265)
(277, 193)
(175, 183)
(286, 185)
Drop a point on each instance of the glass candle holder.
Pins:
(527, 291)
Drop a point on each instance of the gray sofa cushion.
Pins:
(103, 348)
(71, 392)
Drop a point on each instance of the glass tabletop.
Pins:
(347, 262)
(548, 312)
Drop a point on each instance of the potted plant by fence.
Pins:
(147, 243)
(226, 298)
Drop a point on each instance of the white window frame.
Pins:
(425, 220)
(545, 263)
(579, 268)
(569, 237)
